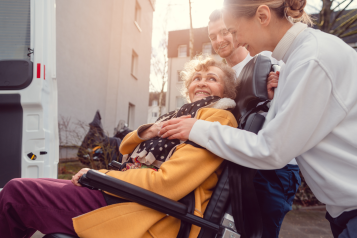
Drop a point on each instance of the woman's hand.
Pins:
(272, 83)
(77, 176)
(152, 131)
(178, 128)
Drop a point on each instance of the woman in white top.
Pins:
(314, 114)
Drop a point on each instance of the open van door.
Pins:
(29, 145)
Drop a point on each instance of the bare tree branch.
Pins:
(338, 5)
(191, 32)
(349, 33)
(346, 25)
(339, 14)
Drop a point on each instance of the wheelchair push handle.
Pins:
(275, 67)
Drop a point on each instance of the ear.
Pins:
(263, 14)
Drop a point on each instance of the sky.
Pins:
(174, 15)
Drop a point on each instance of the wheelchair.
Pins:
(233, 210)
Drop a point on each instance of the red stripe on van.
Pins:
(38, 71)
(44, 71)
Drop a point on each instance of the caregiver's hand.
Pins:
(272, 83)
(76, 177)
(178, 128)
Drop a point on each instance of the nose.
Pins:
(202, 83)
(220, 38)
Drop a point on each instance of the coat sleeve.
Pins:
(184, 171)
(302, 102)
(132, 140)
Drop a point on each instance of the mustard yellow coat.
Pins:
(188, 169)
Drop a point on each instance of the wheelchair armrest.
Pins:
(144, 197)
(130, 191)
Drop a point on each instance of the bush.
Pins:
(304, 196)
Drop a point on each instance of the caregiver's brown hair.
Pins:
(203, 62)
(289, 9)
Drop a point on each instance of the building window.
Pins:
(131, 116)
(134, 64)
(180, 101)
(137, 15)
(207, 48)
(154, 114)
(182, 51)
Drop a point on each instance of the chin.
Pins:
(199, 98)
(252, 52)
(225, 54)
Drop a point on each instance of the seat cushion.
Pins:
(59, 235)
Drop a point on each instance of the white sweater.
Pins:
(239, 67)
(314, 118)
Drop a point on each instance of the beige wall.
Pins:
(95, 40)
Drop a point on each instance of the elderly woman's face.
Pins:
(206, 83)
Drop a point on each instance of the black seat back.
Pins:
(251, 91)
(252, 87)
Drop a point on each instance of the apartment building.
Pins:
(103, 60)
(154, 110)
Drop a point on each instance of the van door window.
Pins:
(14, 29)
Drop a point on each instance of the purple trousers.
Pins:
(46, 205)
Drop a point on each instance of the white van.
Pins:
(28, 90)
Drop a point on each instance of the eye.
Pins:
(196, 79)
(225, 32)
(212, 37)
(212, 79)
(232, 32)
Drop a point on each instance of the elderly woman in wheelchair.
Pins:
(171, 168)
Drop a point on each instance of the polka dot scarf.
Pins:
(157, 150)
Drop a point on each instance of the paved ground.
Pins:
(297, 224)
(37, 235)
(305, 224)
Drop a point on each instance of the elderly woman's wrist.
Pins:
(144, 131)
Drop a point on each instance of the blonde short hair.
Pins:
(202, 62)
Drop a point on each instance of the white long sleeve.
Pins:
(279, 142)
(314, 119)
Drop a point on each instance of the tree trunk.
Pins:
(160, 98)
(325, 16)
(163, 85)
(191, 32)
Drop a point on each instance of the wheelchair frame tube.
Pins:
(102, 181)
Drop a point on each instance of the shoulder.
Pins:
(213, 114)
(318, 46)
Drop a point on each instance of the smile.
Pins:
(202, 93)
(222, 47)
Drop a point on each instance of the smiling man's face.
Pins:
(221, 39)
(206, 83)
